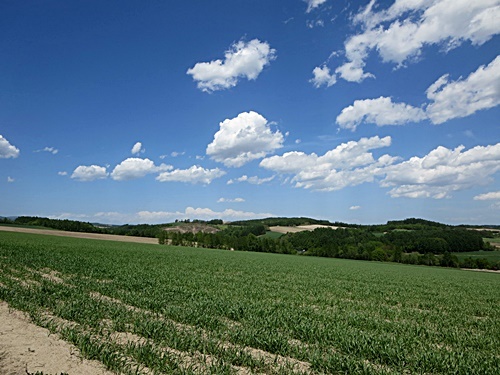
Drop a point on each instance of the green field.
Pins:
(273, 235)
(494, 241)
(489, 255)
(174, 310)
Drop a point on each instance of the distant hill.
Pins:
(288, 222)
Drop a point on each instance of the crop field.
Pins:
(494, 241)
(489, 255)
(147, 309)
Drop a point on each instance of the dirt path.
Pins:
(27, 348)
(94, 236)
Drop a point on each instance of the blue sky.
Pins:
(151, 111)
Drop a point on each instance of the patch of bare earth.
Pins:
(298, 228)
(480, 270)
(25, 347)
(193, 228)
(93, 236)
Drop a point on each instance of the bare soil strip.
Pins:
(27, 347)
(93, 236)
(298, 228)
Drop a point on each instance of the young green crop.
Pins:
(140, 308)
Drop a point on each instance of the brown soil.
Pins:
(27, 348)
(298, 228)
(93, 236)
(193, 228)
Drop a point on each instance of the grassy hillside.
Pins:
(181, 310)
(489, 255)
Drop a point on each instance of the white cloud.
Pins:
(132, 168)
(381, 111)
(349, 164)
(312, 24)
(435, 175)
(242, 139)
(353, 71)
(137, 149)
(89, 173)
(242, 60)
(229, 200)
(322, 76)
(494, 195)
(400, 32)
(312, 4)
(62, 173)
(461, 98)
(448, 100)
(51, 150)
(7, 150)
(174, 154)
(442, 171)
(353, 208)
(254, 180)
(10, 179)
(193, 175)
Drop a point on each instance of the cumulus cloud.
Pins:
(312, 4)
(348, 164)
(242, 60)
(447, 100)
(137, 148)
(62, 173)
(7, 150)
(442, 171)
(435, 175)
(494, 195)
(244, 138)
(10, 179)
(133, 168)
(193, 175)
(381, 111)
(89, 173)
(323, 76)
(230, 200)
(400, 32)
(461, 98)
(353, 208)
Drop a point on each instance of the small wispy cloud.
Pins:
(254, 180)
(50, 150)
(174, 154)
(230, 200)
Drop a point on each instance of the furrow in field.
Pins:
(269, 360)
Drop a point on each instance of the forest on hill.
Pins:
(412, 241)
